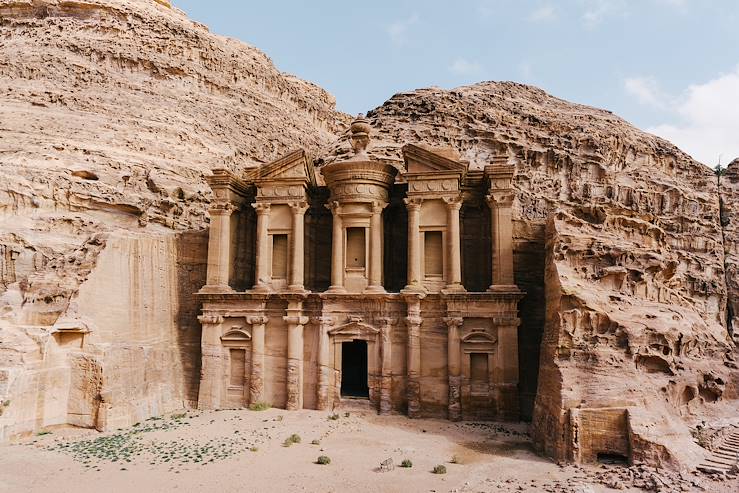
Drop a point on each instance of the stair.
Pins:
(725, 457)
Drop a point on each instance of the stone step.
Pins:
(711, 469)
(725, 455)
(723, 462)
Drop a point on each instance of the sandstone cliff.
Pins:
(619, 247)
(111, 114)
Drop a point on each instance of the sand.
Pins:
(244, 451)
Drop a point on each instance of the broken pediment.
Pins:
(294, 166)
(423, 161)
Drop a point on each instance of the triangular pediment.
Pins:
(292, 166)
(422, 160)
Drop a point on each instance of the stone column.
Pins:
(502, 235)
(454, 367)
(295, 321)
(337, 250)
(386, 374)
(219, 248)
(375, 267)
(413, 321)
(211, 368)
(454, 271)
(414, 245)
(507, 356)
(296, 255)
(256, 380)
(324, 371)
(262, 277)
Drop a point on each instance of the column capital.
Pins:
(324, 321)
(413, 203)
(295, 320)
(452, 322)
(503, 198)
(387, 321)
(453, 202)
(378, 206)
(261, 207)
(414, 321)
(257, 320)
(221, 208)
(299, 207)
(210, 319)
(334, 206)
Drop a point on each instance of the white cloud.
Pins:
(596, 11)
(646, 90)
(543, 14)
(462, 66)
(707, 123)
(398, 30)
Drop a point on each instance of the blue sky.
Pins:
(670, 67)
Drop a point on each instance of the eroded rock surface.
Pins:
(634, 311)
(111, 114)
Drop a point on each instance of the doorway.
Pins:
(354, 369)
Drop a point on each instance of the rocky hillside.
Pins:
(111, 114)
(620, 248)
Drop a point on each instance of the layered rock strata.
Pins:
(112, 113)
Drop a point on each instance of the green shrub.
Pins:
(323, 460)
(294, 438)
(259, 406)
(406, 463)
(43, 432)
(333, 417)
(440, 469)
(254, 449)
(315, 442)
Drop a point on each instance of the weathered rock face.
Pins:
(729, 189)
(112, 113)
(635, 346)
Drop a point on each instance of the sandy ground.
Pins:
(245, 451)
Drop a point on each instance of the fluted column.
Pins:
(324, 372)
(414, 245)
(375, 267)
(454, 270)
(337, 250)
(298, 241)
(413, 321)
(502, 240)
(386, 376)
(454, 367)
(295, 322)
(211, 367)
(219, 247)
(262, 276)
(256, 380)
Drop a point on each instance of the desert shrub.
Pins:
(333, 417)
(440, 469)
(259, 406)
(406, 463)
(455, 460)
(323, 460)
(315, 442)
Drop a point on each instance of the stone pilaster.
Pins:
(386, 373)
(375, 267)
(211, 368)
(295, 322)
(256, 380)
(500, 201)
(262, 276)
(324, 371)
(414, 245)
(454, 270)
(454, 368)
(298, 240)
(337, 250)
(413, 385)
(219, 248)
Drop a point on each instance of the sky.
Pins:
(670, 67)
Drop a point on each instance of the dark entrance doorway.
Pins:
(354, 369)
